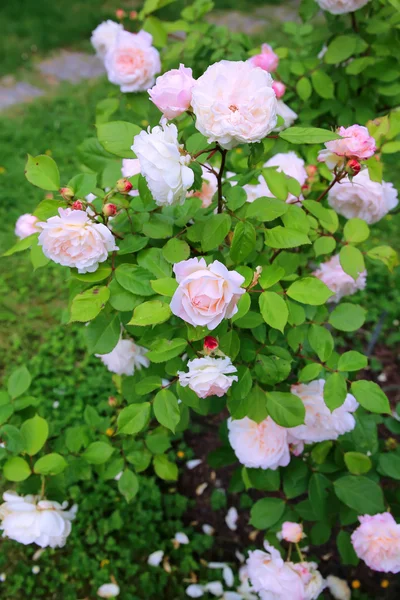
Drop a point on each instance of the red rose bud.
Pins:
(67, 193)
(109, 210)
(279, 88)
(77, 205)
(311, 170)
(210, 343)
(124, 186)
(120, 13)
(353, 167)
(305, 187)
(112, 401)
(133, 15)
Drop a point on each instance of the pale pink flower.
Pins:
(291, 532)
(234, 103)
(26, 225)
(72, 239)
(267, 60)
(354, 143)
(259, 445)
(377, 542)
(125, 358)
(208, 376)
(312, 579)
(340, 7)
(279, 89)
(132, 62)
(332, 274)
(206, 294)
(104, 36)
(172, 92)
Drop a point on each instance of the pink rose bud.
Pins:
(124, 186)
(109, 210)
(291, 532)
(112, 401)
(311, 170)
(353, 167)
(67, 193)
(267, 60)
(172, 93)
(120, 13)
(279, 88)
(305, 187)
(133, 15)
(77, 205)
(210, 343)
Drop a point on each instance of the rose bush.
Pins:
(227, 220)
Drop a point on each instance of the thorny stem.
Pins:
(219, 178)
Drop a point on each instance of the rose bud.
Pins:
(311, 170)
(133, 15)
(112, 401)
(210, 343)
(77, 205)
(279, 88)
(120, 13)
(109, 210)
(124, 186)
(353, 167)
(67, 193)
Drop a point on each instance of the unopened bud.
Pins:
(311, 170)
(391, 444)
(124, 186)
(67, 193)
(279, 88)
(210, 344)
(120, 13)
(353, 167)
(305, 187)
(112, 401)
(133, 15)
(109, 210)
(77, 205)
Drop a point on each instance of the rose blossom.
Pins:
(209, 376)
(108, 590)
(339, 588)
(288, 115)
(208, 188)
(104, 36)
(332, 274)
(362, 198)
(291, 532)
(312, 579)
(163, 162)
(377, 542)
(234, 103)
(273, 578)
(320, 423)
(292, 166)
(259, 445)
(172, 92)
(206, 294)
(132, 62)
(340, 7)
(31, 520)
(267, 60)
(355, 143)
(26, 225)
(125, 358)
(279, 89)
(72, 239)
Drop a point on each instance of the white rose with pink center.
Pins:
(354, 143)
(208, 376)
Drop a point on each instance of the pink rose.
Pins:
(26, 225)
(332, 274)
(206, 294)
(291, 532)
(271, 577)
(267, 60)
(377, 542)
(279, 89)
(172, 93)
(355, 143)
(312, 579)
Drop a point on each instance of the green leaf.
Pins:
(335, 391)
(148, 384)
(357, 463)
(35, 432)
(163, 350)
(270, 275)
(257, 402)
(121, 299)
(303, 88)
(176, 250)
(42, 171)
(321, 341)
(340, 49)
(12, 438)
(323, 85)
(389, 465)
(356, 231)
(239, 402)
(50, 464)
(385, 254)
(100, 274)
(38, 259)
(236, 196)
(134, 279)
(309, 290)
(16, 469)
(352, 361)
(346, 550)
(318, 495)
(274, 310)
(266, 209)
(360, 493)
(352, 261)
(21, 245)
(243, 307)
(18, 382)
(308, 135)
(82, 184)
(324, 245)
(285, 409)
(98, 453)
(117, 137)
(284, 237)
(105, 108)
(166, 409)
(6, 410)
(128, 485)
(87, 305)
(356, 66)
(215, 231)
(165, 286)
(277, 183)
(153, 260)
(102, 334)
(347, 317)
(133, 418)
(132, 244)
(158, 227)
(243, 242)
(150, 313)
(310, 372)
(266, 512)
(164, 468)
(370, 396)
(320, 451)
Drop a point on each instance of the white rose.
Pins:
(234, 103)
(163, 162)
(332, 274)
(257, 190)
(320, 423)
(208, 376)
(340, 7)
(362, 198)
(259, 445)
(288, 115)
(26, 225)
(72, 239)
(339, 588)
(108, 590)
(132, 62)
(125, 358)
(104, 36)
(29, 520)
